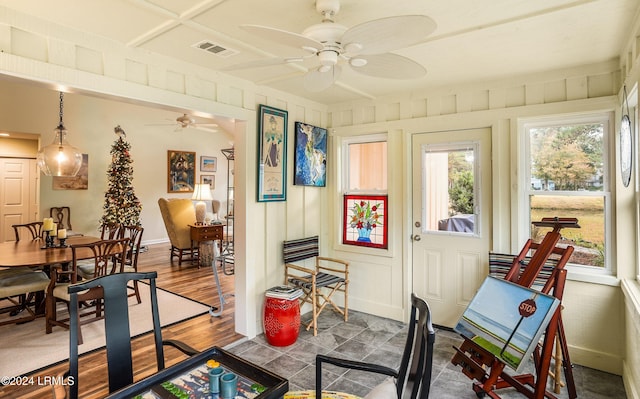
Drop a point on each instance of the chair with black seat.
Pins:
(62, 216)
(413, 378)
(106, 256)
(328, 276)
(134, 234)
(118, 334)
(28, 231)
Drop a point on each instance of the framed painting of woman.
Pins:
(272, 154)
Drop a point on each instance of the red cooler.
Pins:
(281, 321)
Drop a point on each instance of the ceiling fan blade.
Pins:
(316, 81)
(389, 66)
(283, 37)
(387, 34)
(262, 63)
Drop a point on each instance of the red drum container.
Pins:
(281, 321)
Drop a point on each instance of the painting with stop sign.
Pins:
(507, 320)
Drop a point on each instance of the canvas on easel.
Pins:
(507, 320)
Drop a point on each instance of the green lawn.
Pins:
(588, 210)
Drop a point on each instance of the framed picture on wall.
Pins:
(364, 221)
(208, 164)
(208, 179)
(310, 155)
(272, 154)
(181, 171)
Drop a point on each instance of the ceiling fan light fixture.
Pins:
(357, 62)
(185, 120)
(328, 58)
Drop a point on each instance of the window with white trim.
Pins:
(566, 174)
(364, 190)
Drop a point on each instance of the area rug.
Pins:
(25, 348)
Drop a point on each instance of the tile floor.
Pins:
(374, 339)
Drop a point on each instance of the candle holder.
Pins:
(63, 243)
(48, 240)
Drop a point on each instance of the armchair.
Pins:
(178, 214)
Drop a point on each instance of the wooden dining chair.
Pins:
(62, 216)
(111, 231)
(116, 322)
(18, 288)
(28, 231)
(134, 234)
(106, 256)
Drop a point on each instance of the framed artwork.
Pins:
(78, 182)
(208, 164)
(181, 171)
(272, 154)
(310, 159)
(507, 320)
(365, 220)
(208, 179)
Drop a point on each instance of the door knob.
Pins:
(416, 237)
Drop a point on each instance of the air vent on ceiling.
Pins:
(214, 48)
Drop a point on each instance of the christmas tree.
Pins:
(120, 202)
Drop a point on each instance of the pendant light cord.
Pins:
(61, 127)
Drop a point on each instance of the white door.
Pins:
(18, 194)
(451, 218)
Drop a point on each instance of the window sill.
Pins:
(594, 278)
(364, 250)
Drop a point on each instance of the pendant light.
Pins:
(60, 158)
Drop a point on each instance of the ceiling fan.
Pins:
(186, 121)
(364, 47)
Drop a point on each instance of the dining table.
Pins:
(31, 252)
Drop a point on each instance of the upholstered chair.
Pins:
(178, 214)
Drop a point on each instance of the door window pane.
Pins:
(450, 188)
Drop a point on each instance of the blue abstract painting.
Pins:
(310, 160)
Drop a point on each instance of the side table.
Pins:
(282, 315)
(205, 236)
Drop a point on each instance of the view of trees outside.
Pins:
(460, 182)
(567, 180)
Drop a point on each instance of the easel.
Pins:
(482, 366)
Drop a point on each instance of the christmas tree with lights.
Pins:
(120, 202)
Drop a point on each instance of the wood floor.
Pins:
(201, 332)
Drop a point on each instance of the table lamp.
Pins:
(201, 193)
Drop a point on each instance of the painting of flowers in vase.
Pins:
(365, 220)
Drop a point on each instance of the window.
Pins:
(366, 166)
(451, 190)
(364, 216)
(567, 175)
